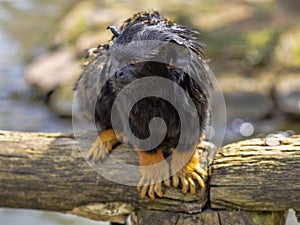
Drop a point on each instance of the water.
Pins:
(34, 217)
(11, 68)
(17, 109)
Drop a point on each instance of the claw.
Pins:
(192, 185)
(158, 190)
(140, 185)
(185, 184)
(151, 191)
(189, 175)
(155, 173)
(144, 190)
(167, 182)
(175, 180)
(98, 151)
(199, 179)
(103, 145)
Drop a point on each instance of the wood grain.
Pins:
(252, 175)
(47, 171)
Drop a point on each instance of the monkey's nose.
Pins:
(121, 74)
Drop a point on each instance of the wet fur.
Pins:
(100, 84)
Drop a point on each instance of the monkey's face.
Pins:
(124, 76)
(134, 71)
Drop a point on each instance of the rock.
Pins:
(287, 89)
(92, 39)
(50, 70)
(247, 98)
(287, 52)
(61, 100)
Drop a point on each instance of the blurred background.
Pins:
(253, 47)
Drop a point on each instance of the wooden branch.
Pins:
(298, 214)
(211, 217)
(47, 171)
(252, 175)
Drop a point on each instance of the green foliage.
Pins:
(259, 46)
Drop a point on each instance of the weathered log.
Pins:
(47, 171)
(211, 217)
(298, 214)
(257, 174)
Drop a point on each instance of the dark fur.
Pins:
(145, 26)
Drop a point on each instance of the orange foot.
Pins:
(155, 172)
(103, 145)
(190, 174)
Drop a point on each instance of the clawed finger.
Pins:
(167, 182)
(201, 172)
(141, 184)
(144, 191)
(150, 190)
(151, 193)
(185, 184)
(199, 179)
(98, 151)
(192, 185)
(158, 189)
(188, 178)
(175, 180)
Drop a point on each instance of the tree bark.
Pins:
(252, 175)
(47, 171)
(210, 217)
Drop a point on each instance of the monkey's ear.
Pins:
(115, 31)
